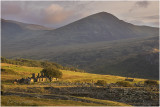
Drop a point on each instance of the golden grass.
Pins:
(106, 102)
(29, 101)
(21, 69)
(71, 76)
(68, 76)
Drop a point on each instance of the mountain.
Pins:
(11, 23)
(95, 28)
(92, 43)
(13, 31)
(100, 27)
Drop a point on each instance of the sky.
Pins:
(55, 14)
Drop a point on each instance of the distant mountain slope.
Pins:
(13, 31)
(124, 58)
(144, 65)
(132, 57)
(23, 25)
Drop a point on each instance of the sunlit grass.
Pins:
(29, 101)
(106, 102)
(68, 76)
(71, 76)
(21, 69)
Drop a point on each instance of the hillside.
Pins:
(132, 57)
(13, 31)
(108, 57)
(22, 68)
(18, 72)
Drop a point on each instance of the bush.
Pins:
(51, 72)
(124, 84)
(101, 82)
(151, 82)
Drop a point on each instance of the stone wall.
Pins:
(133, 96)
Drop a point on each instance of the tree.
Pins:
(51, 72)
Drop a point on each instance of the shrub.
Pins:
(124, 84)
(101, 82)
(151, 82)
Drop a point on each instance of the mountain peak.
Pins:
(105, 15)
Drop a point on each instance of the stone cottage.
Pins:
(39, 78)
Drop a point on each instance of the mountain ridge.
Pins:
(27, 25)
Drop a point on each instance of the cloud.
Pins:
(10, 9)
(46, 13)
(143, 4)
(152, 20)
(152, 17)
(56, 13)
(139, 4)
(148, 23)
(54, 8)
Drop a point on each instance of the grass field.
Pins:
(28, 101)
(106, 102)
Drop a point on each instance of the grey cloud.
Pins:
(29, 13)
(139, 4)
(140, 22)
(35, 11)
(10, 9)
(137, 22)
(152, 17)
(143, 4)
